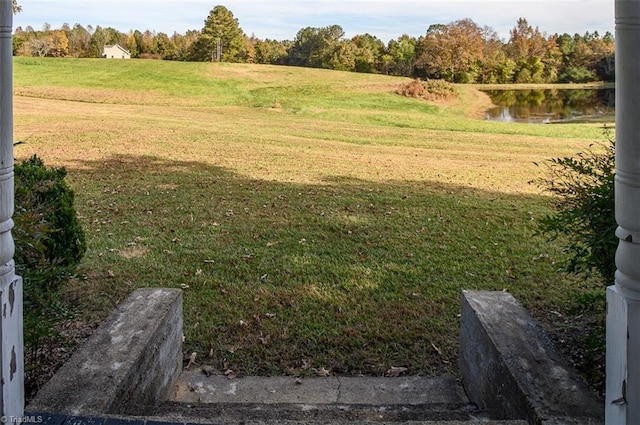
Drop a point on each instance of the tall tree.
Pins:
(79, 41)
(496, 67)
(184, 44)
(343, 56)
(535, 56)
(272, 52)
(59, 44)
(604, 49)
(131, 44)
(221, 38)
(316, 47)
(369, 51)
(401, 56)
(453, 52)
(148, 44)
(166, 47)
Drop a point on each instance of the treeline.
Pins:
(461, 51)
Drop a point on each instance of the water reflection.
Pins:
(549, 106)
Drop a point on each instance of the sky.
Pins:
(282, 19)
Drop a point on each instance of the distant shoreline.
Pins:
(559, 86)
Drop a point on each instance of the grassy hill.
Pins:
(315, 219)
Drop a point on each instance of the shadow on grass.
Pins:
(346, 276)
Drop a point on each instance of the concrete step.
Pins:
(318, 400)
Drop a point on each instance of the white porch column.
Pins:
(11, 343)
(623, 311)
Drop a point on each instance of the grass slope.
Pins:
(316, 219)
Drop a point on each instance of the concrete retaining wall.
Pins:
(133, 358)
(508, 364)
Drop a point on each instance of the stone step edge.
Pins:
(196, 387)
(61, 419)
(232, 412)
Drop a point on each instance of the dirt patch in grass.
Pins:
(134, 251)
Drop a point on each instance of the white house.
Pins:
(115, 51)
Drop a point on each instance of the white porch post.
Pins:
(11, 343)
(623, 311)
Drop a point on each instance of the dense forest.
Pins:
(461, 51)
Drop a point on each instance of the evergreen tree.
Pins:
(221, 38)
(320, 48)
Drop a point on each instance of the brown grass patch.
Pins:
(430, 90)
(134, 251)
(168, 186)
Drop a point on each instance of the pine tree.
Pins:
(221, 38)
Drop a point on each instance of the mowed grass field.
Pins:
(317, 221)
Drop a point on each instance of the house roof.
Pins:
(117, 46)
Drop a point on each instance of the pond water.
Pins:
(552, 106)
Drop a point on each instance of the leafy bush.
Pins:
(49, 245)
(44, 194)
(585, 208)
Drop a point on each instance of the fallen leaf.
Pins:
(322, 372)
(436, 348)
(298, 380)
(208, 370)
(184, 286)
(192, 360)
(394, 371)
(110, 274)
(198, 272)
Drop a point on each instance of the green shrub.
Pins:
(43, 192)
(49, 245)
(584, 209)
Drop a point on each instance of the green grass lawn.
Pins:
(315, 219)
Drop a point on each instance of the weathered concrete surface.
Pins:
(56, 419)
(320, 400)
(508, 364)
(132, 358)
(196, 387)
